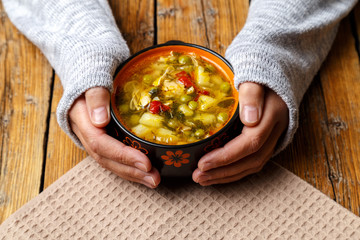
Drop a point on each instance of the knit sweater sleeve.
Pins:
(79, 38)
(282, 46)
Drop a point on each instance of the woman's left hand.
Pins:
(265, 117)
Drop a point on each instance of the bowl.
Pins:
(174, 160)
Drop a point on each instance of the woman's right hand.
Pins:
(88, 117)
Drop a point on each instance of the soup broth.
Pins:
(175, 99)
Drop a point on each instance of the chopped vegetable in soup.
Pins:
(175, 99)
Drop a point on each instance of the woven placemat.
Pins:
(90, 202)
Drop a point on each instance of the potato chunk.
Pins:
(186, 110)
(206, 118)
(151, 120)
(141, 130)
(205, 102)
(166, 135)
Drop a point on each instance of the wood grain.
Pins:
(25, 78)
(224, 20)
(181, 20)
(135, 19)
(326, 149)
(212, 24)
(340, 78)
(61, 153)
(307, 156)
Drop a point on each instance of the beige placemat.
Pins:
(89, 202)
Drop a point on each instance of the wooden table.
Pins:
(35, 152)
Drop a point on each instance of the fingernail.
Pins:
(203, 178)
(205, 167)
(150, 180)
(141, 166)
(251, 114)
(99, 115)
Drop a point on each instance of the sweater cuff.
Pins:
(94, 69)
(258, 67)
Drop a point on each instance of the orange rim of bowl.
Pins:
(130, 66)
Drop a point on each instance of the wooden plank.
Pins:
(62, 154)
(326, 148)
(307, 156)
(181, 20)
(213, 24)
(340, 80)
(224, 20)
(25, 91)
(135, 20)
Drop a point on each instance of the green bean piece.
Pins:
(225, 87)
(173, 123)
(222, 117)
(199, 133)
(153, 91)
(183, 59)
(192, 105)
(185, 98)
(148, 79)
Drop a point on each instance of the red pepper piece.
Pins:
(201, 92)
(155, 107)
(186, 81)
(164, 108)
(204, 92)
(182, 74)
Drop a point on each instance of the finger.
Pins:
(137, 174)
(100, 145)
(97, 102)
(111, 148)
(249, 141)
(150, 179)
(251, 100)
(253, 161)
(229, 179)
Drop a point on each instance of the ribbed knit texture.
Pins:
(79, 38)
(281, 46)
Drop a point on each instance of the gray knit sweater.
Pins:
(281, 46)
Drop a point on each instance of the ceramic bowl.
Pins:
(174, 160)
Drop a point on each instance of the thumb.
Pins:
(251, 101)
(97, 102)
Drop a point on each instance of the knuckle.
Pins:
(121, 156)
(258, 163)
(256, 143)
(133, 173)
(94, 145)
(96, 92)
(225, 157)
(98, 159)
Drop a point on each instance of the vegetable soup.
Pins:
(175, 99)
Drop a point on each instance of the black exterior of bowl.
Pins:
(186, 157)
